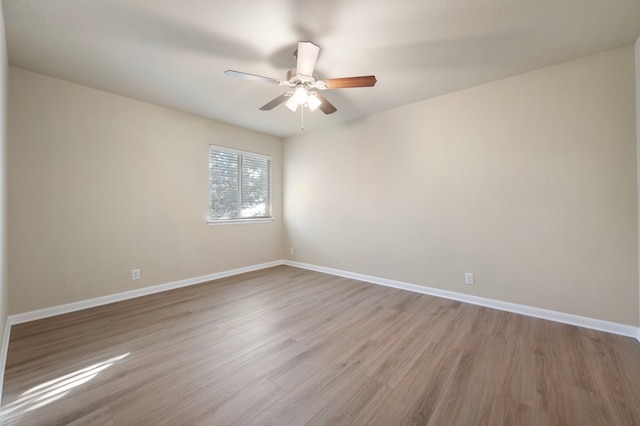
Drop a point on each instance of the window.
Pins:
(239, 185)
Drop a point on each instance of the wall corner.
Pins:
(637, 75)
(4, 304)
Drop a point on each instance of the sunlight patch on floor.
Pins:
(48, 392)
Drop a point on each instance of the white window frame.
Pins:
(236, 220)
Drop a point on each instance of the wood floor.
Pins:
(286, 346)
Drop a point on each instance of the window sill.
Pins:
(239, 221)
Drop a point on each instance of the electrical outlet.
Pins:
(468, 278)
(291, 251)
(135, 274)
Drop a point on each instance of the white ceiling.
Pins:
(174, 52)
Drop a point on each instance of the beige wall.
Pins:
(100, 184)
(528, 182)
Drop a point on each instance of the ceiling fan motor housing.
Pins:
(295, 79)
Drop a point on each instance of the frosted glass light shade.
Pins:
(300, 95)
(313, 102)
(292, 104)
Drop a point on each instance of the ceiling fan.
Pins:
(304, 83)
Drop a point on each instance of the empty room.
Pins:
(319, 212)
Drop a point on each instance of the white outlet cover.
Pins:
(468, 278)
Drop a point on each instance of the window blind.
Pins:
(239, 184)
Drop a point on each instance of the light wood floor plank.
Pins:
(290, 346)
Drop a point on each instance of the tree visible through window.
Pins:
(239, 184)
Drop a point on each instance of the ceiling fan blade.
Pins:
(252, 77)
(326, 106)
(277, 101)
(346, 82)
(307, 55)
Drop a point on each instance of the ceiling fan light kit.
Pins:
(301, 96)
(304, 83)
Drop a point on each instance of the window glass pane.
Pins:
(223, 185)
(255, 187)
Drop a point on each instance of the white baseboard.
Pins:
(104, 300)
(595, 324)
(591, 323)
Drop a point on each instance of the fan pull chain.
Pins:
(302, 117)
